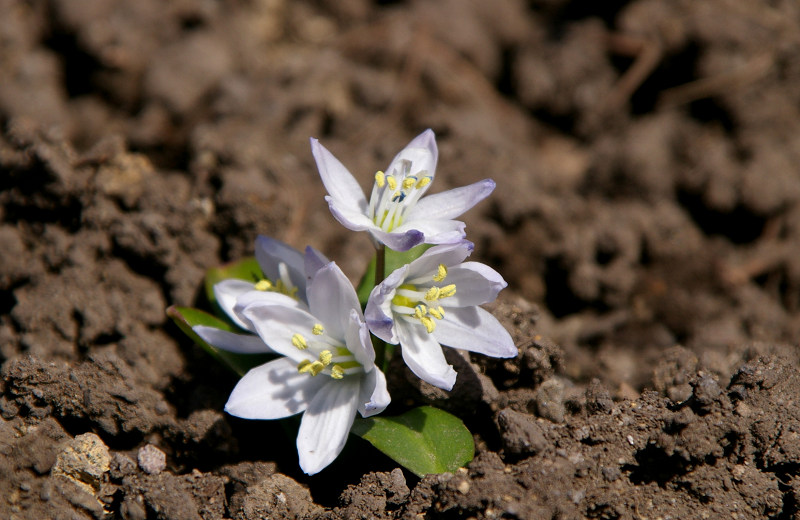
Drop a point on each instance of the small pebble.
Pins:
(152, 460)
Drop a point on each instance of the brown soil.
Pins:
(647, 218)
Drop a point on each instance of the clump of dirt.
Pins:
(646, 217)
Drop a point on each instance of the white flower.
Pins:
(328, 370)
(395, 214)
(433, 301)
(286, 271)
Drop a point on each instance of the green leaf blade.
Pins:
(423, 440)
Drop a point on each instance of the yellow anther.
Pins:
(440, 274)
(408, 182)
(447, 290)
(263, 285)
(337, 372)
(420, 311)
(392, 182)
(429, 323)
(310, 367)
(423, 182)
(299, 342)
(433, 294)
(318, 329)
(325, 357)
(436, 312)
(380, 179)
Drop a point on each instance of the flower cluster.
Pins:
(307, 313)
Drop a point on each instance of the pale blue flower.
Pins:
(396, 214)
(327, 370)
(285, 270)
(433, 301)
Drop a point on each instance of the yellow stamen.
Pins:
(432, 294)
(437, 312)
(408, 182)
(441, 274)
(299, 342)
(314, 368)
(447, 290)
(263, 285)
(318, 329)
(392, 182)
(420, 311)
(429, 323)
(325, 357)
(423, 182)
(337, 372)
(380, 179)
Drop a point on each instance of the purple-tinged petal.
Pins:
(424, 356)
(451, 203)
(326, 423)
(338, 180)
(314, 261)
(378, 312)
(232, 342)
(227, 292)
(330, 298)
(447, 254)
(475, 283)
(374, 396)
(436, 231)
(476, 330)
(398, 241)
(272, 391)
(270, 253)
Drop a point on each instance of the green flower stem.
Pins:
(380, 274)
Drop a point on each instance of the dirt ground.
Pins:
(646, 217)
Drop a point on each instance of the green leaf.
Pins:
(423, 440)
(394, 260)
(244, 269)
(187, 317)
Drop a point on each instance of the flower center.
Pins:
(282, 285)
(393, 194)
(326, 355)
(418, 300)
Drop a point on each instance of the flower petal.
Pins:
(339, 182)
(270, 253)
(448, 254)
(374, 396)
(276, 324)
(358, 341)
(232, 342)
(350, 217)
(423, 355)
(227, 292)
(451, 203)
(421, 151)
(326, 423)
(398, 241)
(314, 261)
(272, 391)
(378, 313)
(476, 330)
(475, 283)
(330, 298)
(436, 231)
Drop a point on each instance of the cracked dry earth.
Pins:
(647, 219)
